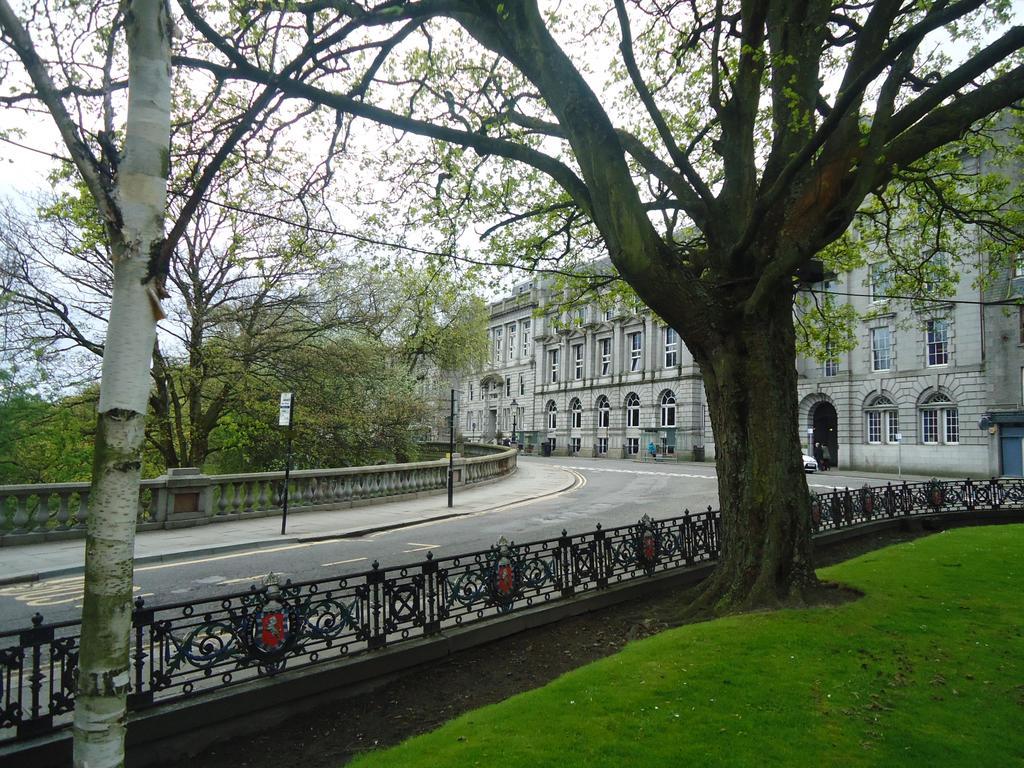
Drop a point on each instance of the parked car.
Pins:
(810, 464)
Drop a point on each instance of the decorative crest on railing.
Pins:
(185, 649)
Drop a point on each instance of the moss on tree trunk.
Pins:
(750, 379)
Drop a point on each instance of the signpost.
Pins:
(451, 448)
(286, 409)
(899, 454)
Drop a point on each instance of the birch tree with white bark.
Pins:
(130, 190)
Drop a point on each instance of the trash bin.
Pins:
(546, 445)
(698, 453)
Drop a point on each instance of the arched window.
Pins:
(632, 410)
(668, 408)
(940, 421)
(576, 413)
(552, 415)
(881, 421)
(604, 409)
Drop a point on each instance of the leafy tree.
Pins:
(733, 143)
(43, 442)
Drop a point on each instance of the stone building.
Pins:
(596, 383)
(932, 387)
(936, 390)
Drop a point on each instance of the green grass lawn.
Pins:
(926, 670)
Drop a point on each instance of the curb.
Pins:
(28, 578)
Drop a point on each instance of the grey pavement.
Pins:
(532, 480)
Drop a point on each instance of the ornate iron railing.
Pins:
(185, 649)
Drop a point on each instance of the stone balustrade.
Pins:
(185, 497)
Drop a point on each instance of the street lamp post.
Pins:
(451, 449)
(515, 407)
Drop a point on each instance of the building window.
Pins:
(605, 347)
(603, 412)
(508, 386)
(497, 346)
(830, 367)
(881, 349)
(940, 421)
(579, 317)
(602, 446)
(1020, 325)
(576, 413)
(512, 342)
(937, 341)
(938, 272)
(552, 415)
(522, 384)
(636, 347)
(609, 313)
(553, 365)
(577, 361)
(632, 446)
(671, 348)
(668, 409)
(632, 410)
(471, 390)
(526, 338)
(575, 443)
(880, 281)
(883, 421)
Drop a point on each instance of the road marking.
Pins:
(253, 579)
(244, 553)
(51, 592)
(343, 562)
(643, 472)
(418, 547)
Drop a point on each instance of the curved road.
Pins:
(610, 492)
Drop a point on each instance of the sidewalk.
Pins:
(532, 480)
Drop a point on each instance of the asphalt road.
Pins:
(610, 492)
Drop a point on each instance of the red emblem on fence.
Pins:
(506, 582)
(647, 543)
(868, 499)
(272, 630)
(650, 546)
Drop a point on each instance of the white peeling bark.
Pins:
(141, 197)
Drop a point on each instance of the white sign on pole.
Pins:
(284, 417)
(899, 437)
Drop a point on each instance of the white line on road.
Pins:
(343, 562)
(419, 547)
(253, 579)
(244, 553)
(643, 472)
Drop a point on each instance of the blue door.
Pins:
(1010, 450)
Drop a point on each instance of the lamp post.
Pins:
(515, 407)
(451, 446)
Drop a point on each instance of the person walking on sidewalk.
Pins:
(826, 458)
(817, 455)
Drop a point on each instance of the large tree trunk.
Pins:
(750, 380)
(104, 667)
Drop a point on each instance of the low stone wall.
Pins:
(185, 497)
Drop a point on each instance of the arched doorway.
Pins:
(825, 422)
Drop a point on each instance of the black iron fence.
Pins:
(186, 649)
